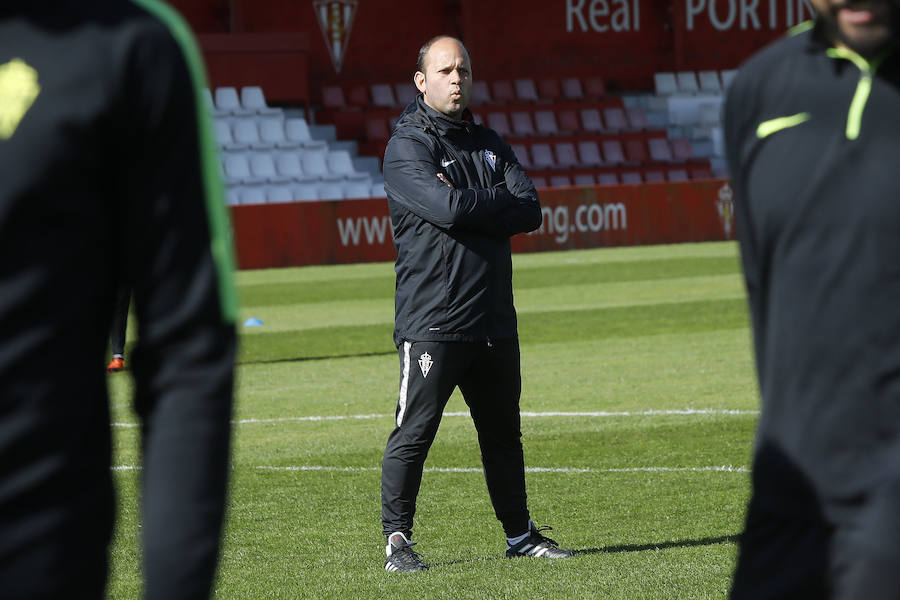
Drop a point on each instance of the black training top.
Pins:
(813, 142)
(454, 270)
(108, 176)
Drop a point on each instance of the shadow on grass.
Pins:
(709, 541)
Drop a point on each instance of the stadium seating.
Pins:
(289, 164)
(383, 95)
(549, 89)
(563, 130)
(709, 82)
(613, 152)
(333, 97)
(542, 156)
(503, 92)
(568, 121)
(654, 176)
(499, 123)
(279, 194)
(665, 84)
(358, 96)
(687, 82)
(594, 87)
(227, 100)
(296, 129)
(660, 151)
(340, 163)
(253, 195)
(677, 175)
(728, 76)
(246, 133)
(591, 120)
(521, 124)
(314, 163)
(614, 118)
(571, 89)
(522, 155)
(566, 156)
(584, 179)
(263, 165)
(636, 151)
(377, 129)
(607, 179)
(330, 191)
(480, 94)
(632, 177)
(211, 106)
(272, 130)
(405, 93)
(526, 91)
(590, 153)
(357, 189)
(252, 98)
(545, 122)
(304, 192)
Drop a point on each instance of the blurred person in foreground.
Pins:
(104, 144)
(456, 194)
(813, 140)
(118, 330)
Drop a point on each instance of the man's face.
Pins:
(447, 80)
(864, 26)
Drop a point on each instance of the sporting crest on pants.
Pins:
(425, 363)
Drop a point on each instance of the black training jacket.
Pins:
(813, 143)
(109, 177)
(454, 269)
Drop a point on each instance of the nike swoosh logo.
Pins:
(447, 163)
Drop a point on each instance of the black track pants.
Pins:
(490, 381)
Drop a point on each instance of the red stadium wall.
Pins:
(625, 41)
(350, 231)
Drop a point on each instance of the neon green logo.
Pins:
(767, 128)
(18, 89)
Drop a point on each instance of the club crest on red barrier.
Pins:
(335, 19)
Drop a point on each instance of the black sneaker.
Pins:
(538, 546)
(401, 556)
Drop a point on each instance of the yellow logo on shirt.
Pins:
(18, 89)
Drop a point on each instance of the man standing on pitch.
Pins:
(105, 143)
(813, 139)
(456, 194)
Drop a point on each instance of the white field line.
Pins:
(525, 414)
(723, 469)
(716, 469)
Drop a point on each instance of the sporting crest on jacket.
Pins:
(491, 158)
(18, 89)
(425, 363)
(335, 19)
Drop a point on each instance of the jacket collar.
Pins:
(420, 114)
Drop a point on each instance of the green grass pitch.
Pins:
(639, 403)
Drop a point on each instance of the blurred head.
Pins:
(865, 26)
(444, 75)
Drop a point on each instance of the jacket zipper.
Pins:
(863, 87)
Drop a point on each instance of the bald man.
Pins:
(456, 195)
